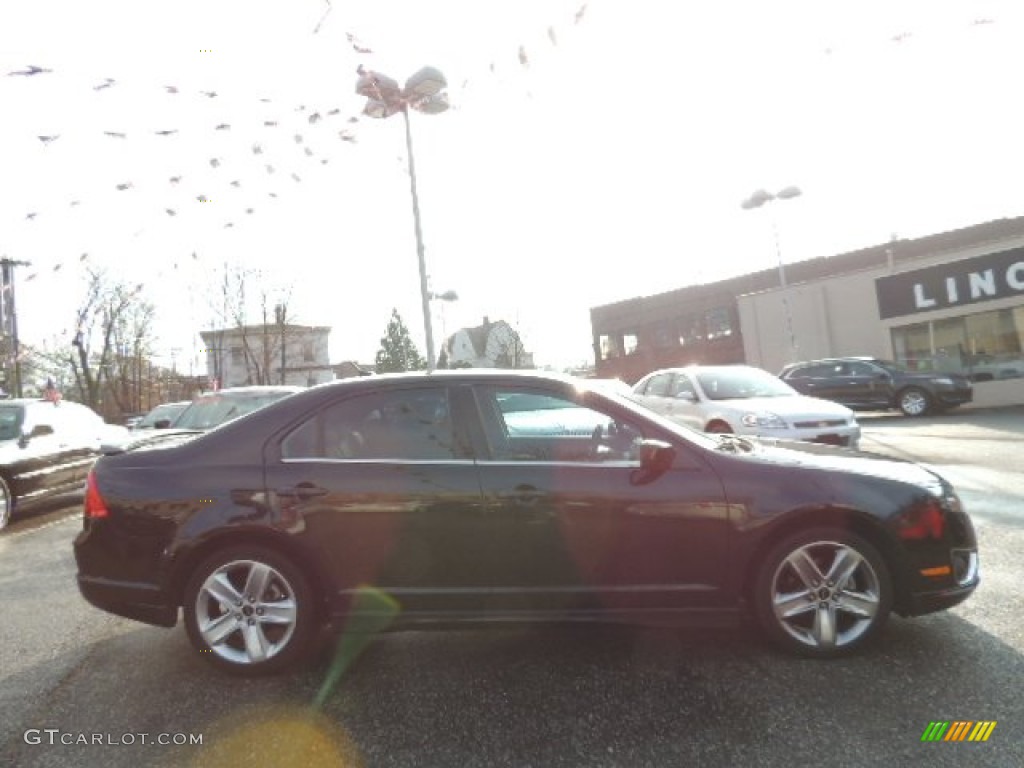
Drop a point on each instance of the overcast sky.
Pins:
(611, 164)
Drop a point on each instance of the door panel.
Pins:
(580, 535)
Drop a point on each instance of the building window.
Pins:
(307, 351)
(719, 323)
(985, 346)
(629, 343)
(609, 346)
(237, 356)
(691, 329)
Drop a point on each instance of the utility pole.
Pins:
(9, 314)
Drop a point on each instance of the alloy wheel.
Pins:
(826, 595)
(914, 402)
(246, 612)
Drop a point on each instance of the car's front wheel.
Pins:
(822, 593)
(249, 610)
(914, 402)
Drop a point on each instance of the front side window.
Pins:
(658, 386)
(403, 425)
(528, 426)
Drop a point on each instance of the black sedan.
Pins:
(474, 497)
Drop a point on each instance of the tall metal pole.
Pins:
(785, 292)
(424, 292)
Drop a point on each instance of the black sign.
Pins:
(969, 281)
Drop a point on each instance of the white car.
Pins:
(745, 401)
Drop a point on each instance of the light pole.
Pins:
(423, 91)
(759, 198)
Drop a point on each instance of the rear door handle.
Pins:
(303, 491)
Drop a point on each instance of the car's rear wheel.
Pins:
(6, 504)
(822, 593)
(914, 401)
(249, 610)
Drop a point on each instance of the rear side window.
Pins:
(403, 425)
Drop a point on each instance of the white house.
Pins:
(268, 354)
(489, 345)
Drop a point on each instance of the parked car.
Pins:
(46, 449)
(211, 409)
(870, 383)
(745, 401)
(165, 414)
(414, 486)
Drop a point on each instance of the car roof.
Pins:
(707, 369)
(850, 359)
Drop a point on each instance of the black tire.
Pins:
(807, 613)
(718, 428)
(914, 401)
(250, 634)
(6, 504)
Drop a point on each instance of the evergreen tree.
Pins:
(397, 353)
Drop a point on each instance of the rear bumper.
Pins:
(141, 602)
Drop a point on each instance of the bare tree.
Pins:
(110, 312)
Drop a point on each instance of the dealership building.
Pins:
(947, 302)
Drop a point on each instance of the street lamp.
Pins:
(423, 91)
(757, 199)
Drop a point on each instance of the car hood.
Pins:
(838, 460)
(797, 406)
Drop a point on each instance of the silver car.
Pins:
(747, 401)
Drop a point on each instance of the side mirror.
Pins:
(162, 424)
(656, 456)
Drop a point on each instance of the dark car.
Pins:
(413, 487)
(869, 383)
(211, 409)
(46, 449)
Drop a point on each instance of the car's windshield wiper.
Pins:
(728, 442)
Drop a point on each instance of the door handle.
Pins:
(303, 491)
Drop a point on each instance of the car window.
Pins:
(742, 383)
(405, 425)
(862, 369)
(659, 385)
(682, 385)
(554, 428)
(11, 419)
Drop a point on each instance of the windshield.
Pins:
(214, 410)
(741, 384)
(167, 411)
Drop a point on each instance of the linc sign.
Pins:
(984, 278)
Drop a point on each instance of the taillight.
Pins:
(95, 507)
(925, 521)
